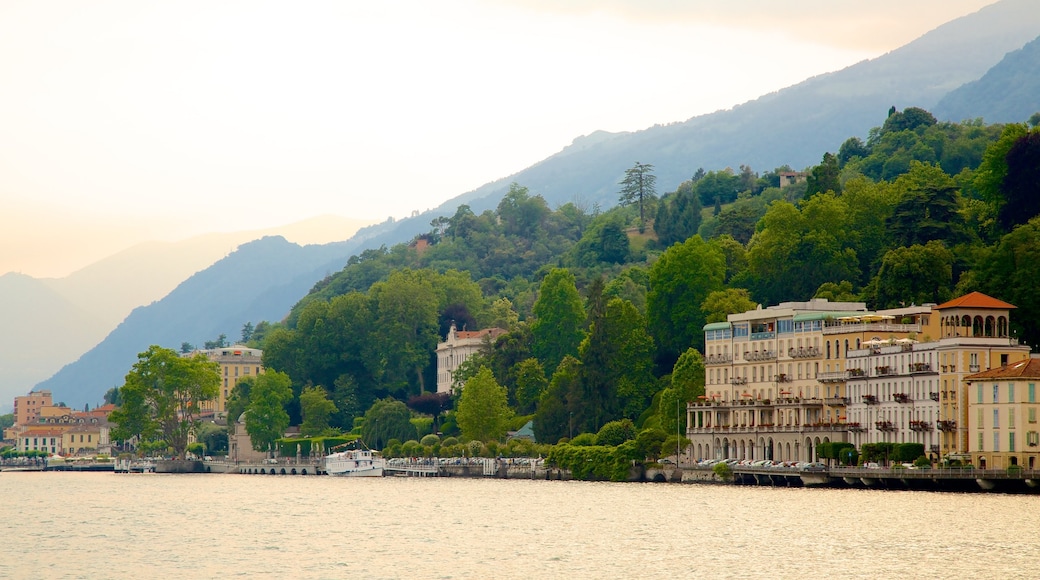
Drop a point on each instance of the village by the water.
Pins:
(816, 393)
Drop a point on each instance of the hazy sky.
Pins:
(125, 120)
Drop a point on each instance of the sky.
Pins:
(126, 121)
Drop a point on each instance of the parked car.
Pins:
(871, 465)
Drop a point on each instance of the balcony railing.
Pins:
(885, 425)
(901, 397)
(920, 426)
(973, 368)
(738, 381)
(855, 427)
(870, 399)
(804, 352)
(920, 367)
(831, 377)
(946, 425)
(783, 378)
(934, 396)
(884, 371)
(760, 355)
(836, 401)
(719, 359)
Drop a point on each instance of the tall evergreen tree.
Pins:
(638, 187)
(559, 318)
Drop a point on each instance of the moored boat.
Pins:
(355, 463)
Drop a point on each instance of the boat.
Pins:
(361, 462)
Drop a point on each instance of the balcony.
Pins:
(870, 399)
(973, 368)
(885, 426)
(738, 381)
(901, 397)
(855, 427)
(760, 355)
(920, 426)
(783, 378)
(920, 367)
(946, 425)
(857, 374)
(836, 401)
(884, 371)
(831, 377)
(806, 352)
(934, 397)
(719, 359)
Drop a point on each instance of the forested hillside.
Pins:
(605, 312)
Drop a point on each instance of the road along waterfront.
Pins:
(102, 525)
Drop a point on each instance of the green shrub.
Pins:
(449, 441)
(429, 439)
(723, 471)
(584, 440)
(615, 433)
(922, 461)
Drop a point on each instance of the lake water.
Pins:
(103, 525)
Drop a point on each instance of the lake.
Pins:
(104, 525)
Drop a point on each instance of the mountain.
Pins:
(46, 323)
(1007, 93)
(793, 126)
(259, 281)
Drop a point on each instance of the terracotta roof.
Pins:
(493, 332)
(976, 300)
(1023, 369)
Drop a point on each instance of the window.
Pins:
(980, 394)
(996, 418)
(996, 441)
(1032, 414)
(1032, 392)
(245, 370)
(996, 393)
(1011, 419)
(1011, 392)
(1011, 441)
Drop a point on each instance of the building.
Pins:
(457, 347)
(763, 399)
(27, 408)
(783, 379)
(236, 362)
(1002, 425)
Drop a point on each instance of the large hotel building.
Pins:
(783, 379)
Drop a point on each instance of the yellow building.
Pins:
(236, 363)
(1002, 423)
(974, 336)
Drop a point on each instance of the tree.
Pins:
(638, 187)
(433, 404)
(316, 409)
(718, 305)
(914, 275)
(406, 315)
(1009, 271)
(928, 208)
(553, 419)
(266, 417)
(221, 342)
(247, 332)
(615, 433)
(620, 346)
(688, 375)
(530, 384)
(387, 419)
(824, 177)
(483, 409)
(1021, 185)
(112, 397)
(238, 399)
(163, 395)
(680, 280)
(678, 216)
(909, 119)
(559, 317)
(187, 347)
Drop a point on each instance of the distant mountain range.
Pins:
(794, 126)
(46, 323)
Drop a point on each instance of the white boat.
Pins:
(355, 463)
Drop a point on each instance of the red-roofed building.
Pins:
(1002, 427)
(457, 348)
